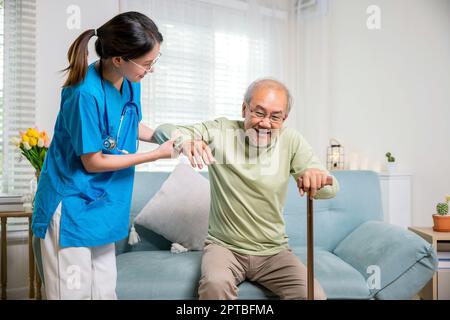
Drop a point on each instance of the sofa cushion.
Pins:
(404, 260)
(158, 275)
(179, 211)
(164, 275)
(338, 279)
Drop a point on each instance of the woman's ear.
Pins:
(117, 61)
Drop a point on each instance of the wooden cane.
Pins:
(310, 242)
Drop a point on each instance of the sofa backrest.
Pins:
(358, 201)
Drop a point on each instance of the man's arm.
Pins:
(309, 173)
(191, 140)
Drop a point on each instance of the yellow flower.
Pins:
(25, 138)
(33, 141)
(32, 133)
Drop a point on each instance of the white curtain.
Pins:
(212, 51)
(311, 83)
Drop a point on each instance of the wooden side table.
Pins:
(430, 291)
(33, 274)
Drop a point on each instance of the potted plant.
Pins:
(441, 219)
(391, 164)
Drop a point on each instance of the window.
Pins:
(18, 45)
(17, 94)
(2, 42)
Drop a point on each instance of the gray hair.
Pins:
(269, 82)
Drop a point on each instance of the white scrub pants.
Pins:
(77, 273)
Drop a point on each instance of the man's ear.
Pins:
(243, 110)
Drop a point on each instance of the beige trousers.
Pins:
(223, 270)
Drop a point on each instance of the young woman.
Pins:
(82, 204)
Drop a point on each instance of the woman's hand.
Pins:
(166, 150)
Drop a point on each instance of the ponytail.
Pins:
(78, 59)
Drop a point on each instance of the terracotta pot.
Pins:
(441, 223)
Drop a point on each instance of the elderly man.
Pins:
(249, 177)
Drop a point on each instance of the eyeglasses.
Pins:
(151, 65)
(273, 118)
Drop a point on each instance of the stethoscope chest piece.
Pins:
(109, 143)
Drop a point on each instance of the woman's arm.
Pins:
(99, 162)
(145, 133)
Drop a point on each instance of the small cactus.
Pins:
(390, 158)
(442, 209)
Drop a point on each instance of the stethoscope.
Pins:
(110, 143)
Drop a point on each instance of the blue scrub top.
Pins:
(95, 206)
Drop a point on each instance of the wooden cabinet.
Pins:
(437, 288)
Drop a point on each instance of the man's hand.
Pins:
(198, 153)
(313, 180)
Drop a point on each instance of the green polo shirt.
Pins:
(249, 184)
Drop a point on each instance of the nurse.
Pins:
(83, 199)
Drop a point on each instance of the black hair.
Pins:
(128, 35)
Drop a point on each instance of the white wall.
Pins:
(53, 41)
(390, 90)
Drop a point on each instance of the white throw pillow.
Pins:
(180, 210)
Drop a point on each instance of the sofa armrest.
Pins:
(396, 262)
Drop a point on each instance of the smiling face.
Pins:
(265, 114)
(136, 69)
